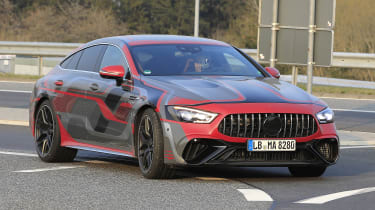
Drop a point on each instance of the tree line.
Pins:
(233, 21)
(84, 20)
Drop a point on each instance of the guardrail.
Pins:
(39, 49)
(53, 49)
(340, 59)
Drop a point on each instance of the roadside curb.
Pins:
(14, 122)
(351, 138)
(14, 116)
(17, 81)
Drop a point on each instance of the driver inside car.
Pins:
(197, 64)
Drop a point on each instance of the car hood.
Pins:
(229, 89)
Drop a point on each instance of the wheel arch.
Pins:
(137, 117)
(37, 105)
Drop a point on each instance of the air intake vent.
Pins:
(193, 151)
(328, 148)
(265, 125)
(198, 150)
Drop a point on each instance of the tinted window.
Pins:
(184, 59)
(91, 58)
(113, 56)
(72, 61)
(66, 62)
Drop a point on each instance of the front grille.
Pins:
(251, 125)
(244, 155)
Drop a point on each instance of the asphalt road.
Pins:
(15, 94)
(96, 181)
(14, 100)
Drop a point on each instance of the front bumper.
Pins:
(216, 152)
(222, 149)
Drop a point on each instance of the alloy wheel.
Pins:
(146, 143)
(44, 130)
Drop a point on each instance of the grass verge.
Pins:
(341, 92)
(20, 78)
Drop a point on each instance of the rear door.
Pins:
(77, 83)
(70, 98)
(108, 118)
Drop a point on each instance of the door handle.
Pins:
(59, 83)
(94, 87)
(133, 98)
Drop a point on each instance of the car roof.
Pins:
(135, 40)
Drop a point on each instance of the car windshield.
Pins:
(192, 59)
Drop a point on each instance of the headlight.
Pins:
(185, 114)
(325, 116)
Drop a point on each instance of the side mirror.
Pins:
(116, 72)
(273, 71)
(112, 72)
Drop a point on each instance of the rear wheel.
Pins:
(47, 136)
(307, 171)
(150, 145)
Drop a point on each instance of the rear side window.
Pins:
(66, 62)
(72, 61)
(91, 58)
(113, 56)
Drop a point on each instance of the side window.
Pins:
(72, 61)
(113, 56)
(91, 58)
(66, 62)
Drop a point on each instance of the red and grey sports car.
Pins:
(172, 101)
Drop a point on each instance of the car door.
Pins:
(76, 85)
(70, 99)
(108, 119)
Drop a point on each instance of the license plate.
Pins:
(271, 145)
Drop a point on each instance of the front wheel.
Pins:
(150, 145)
(47, 136)
(307, 171)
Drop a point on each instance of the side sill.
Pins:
(100, 151)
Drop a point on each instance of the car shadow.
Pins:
(351, 163)
(83, 156)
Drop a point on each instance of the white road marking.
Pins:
(18, 154)
(255, 195)
(359, 132)
(48, 169)
(334, 196)
(14, 122)
(211, 179)
(356, 147)
(5, 81)
(96, 162)
(353, 110)
(16, 91)
(357, 99)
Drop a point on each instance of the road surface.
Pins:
(98, 181)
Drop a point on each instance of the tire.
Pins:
(307, 171)
(150, 147)
(47, 136)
